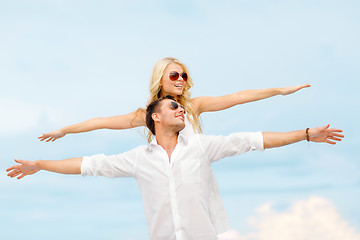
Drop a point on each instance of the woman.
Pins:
(171, 77)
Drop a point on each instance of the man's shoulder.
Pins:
(136, 149)
(198, 137)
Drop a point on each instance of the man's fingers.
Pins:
(19, 161)
(20, 177)
(335, 138)
(337, 134)
(330, 142)
(10, 168)
(334, 130)
(14, 173)
(10, 173)
(14, 166)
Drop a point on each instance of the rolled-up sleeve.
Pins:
(120, 165)
(217, 147)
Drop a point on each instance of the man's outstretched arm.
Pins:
(23, 168)
(318, 134)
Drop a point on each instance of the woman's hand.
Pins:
(127, 121)
(52, 136)
(290, 90)
(210, 104)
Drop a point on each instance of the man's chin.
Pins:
(181, 127)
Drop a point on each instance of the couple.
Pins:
(173, 172)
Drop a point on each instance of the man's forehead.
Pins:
(166, 103)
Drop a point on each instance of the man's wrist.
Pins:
(307, 134)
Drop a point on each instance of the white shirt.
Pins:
(217, 211)
(175, 191)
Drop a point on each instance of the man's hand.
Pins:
(318, 134)
(325, 134)
(24, 168)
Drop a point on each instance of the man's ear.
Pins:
(155, 117)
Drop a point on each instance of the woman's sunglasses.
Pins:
(175, 76)
(175, 105)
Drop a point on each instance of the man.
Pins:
(172, 171)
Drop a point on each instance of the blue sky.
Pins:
(63, 62)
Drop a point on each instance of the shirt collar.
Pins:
(181, 139)
(152, 144)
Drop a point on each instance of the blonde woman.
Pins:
(171, 77)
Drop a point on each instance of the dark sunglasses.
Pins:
(175, 76)
(175, 105)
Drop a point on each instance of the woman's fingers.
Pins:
(47, 137)
(303, 86)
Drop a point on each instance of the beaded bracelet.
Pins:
(307, 135)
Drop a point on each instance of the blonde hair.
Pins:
(183, 99)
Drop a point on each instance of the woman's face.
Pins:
(170, 87)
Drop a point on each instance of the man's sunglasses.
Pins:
(175, 76)
(175, 105)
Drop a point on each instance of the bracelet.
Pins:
(307, 135)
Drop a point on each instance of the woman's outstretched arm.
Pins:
(131, 120)
(210, 104)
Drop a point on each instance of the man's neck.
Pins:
(168, 141)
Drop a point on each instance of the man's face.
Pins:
(171, 115)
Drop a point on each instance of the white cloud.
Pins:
(230, 235)
(315, 218)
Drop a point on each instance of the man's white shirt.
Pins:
(177, 192)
